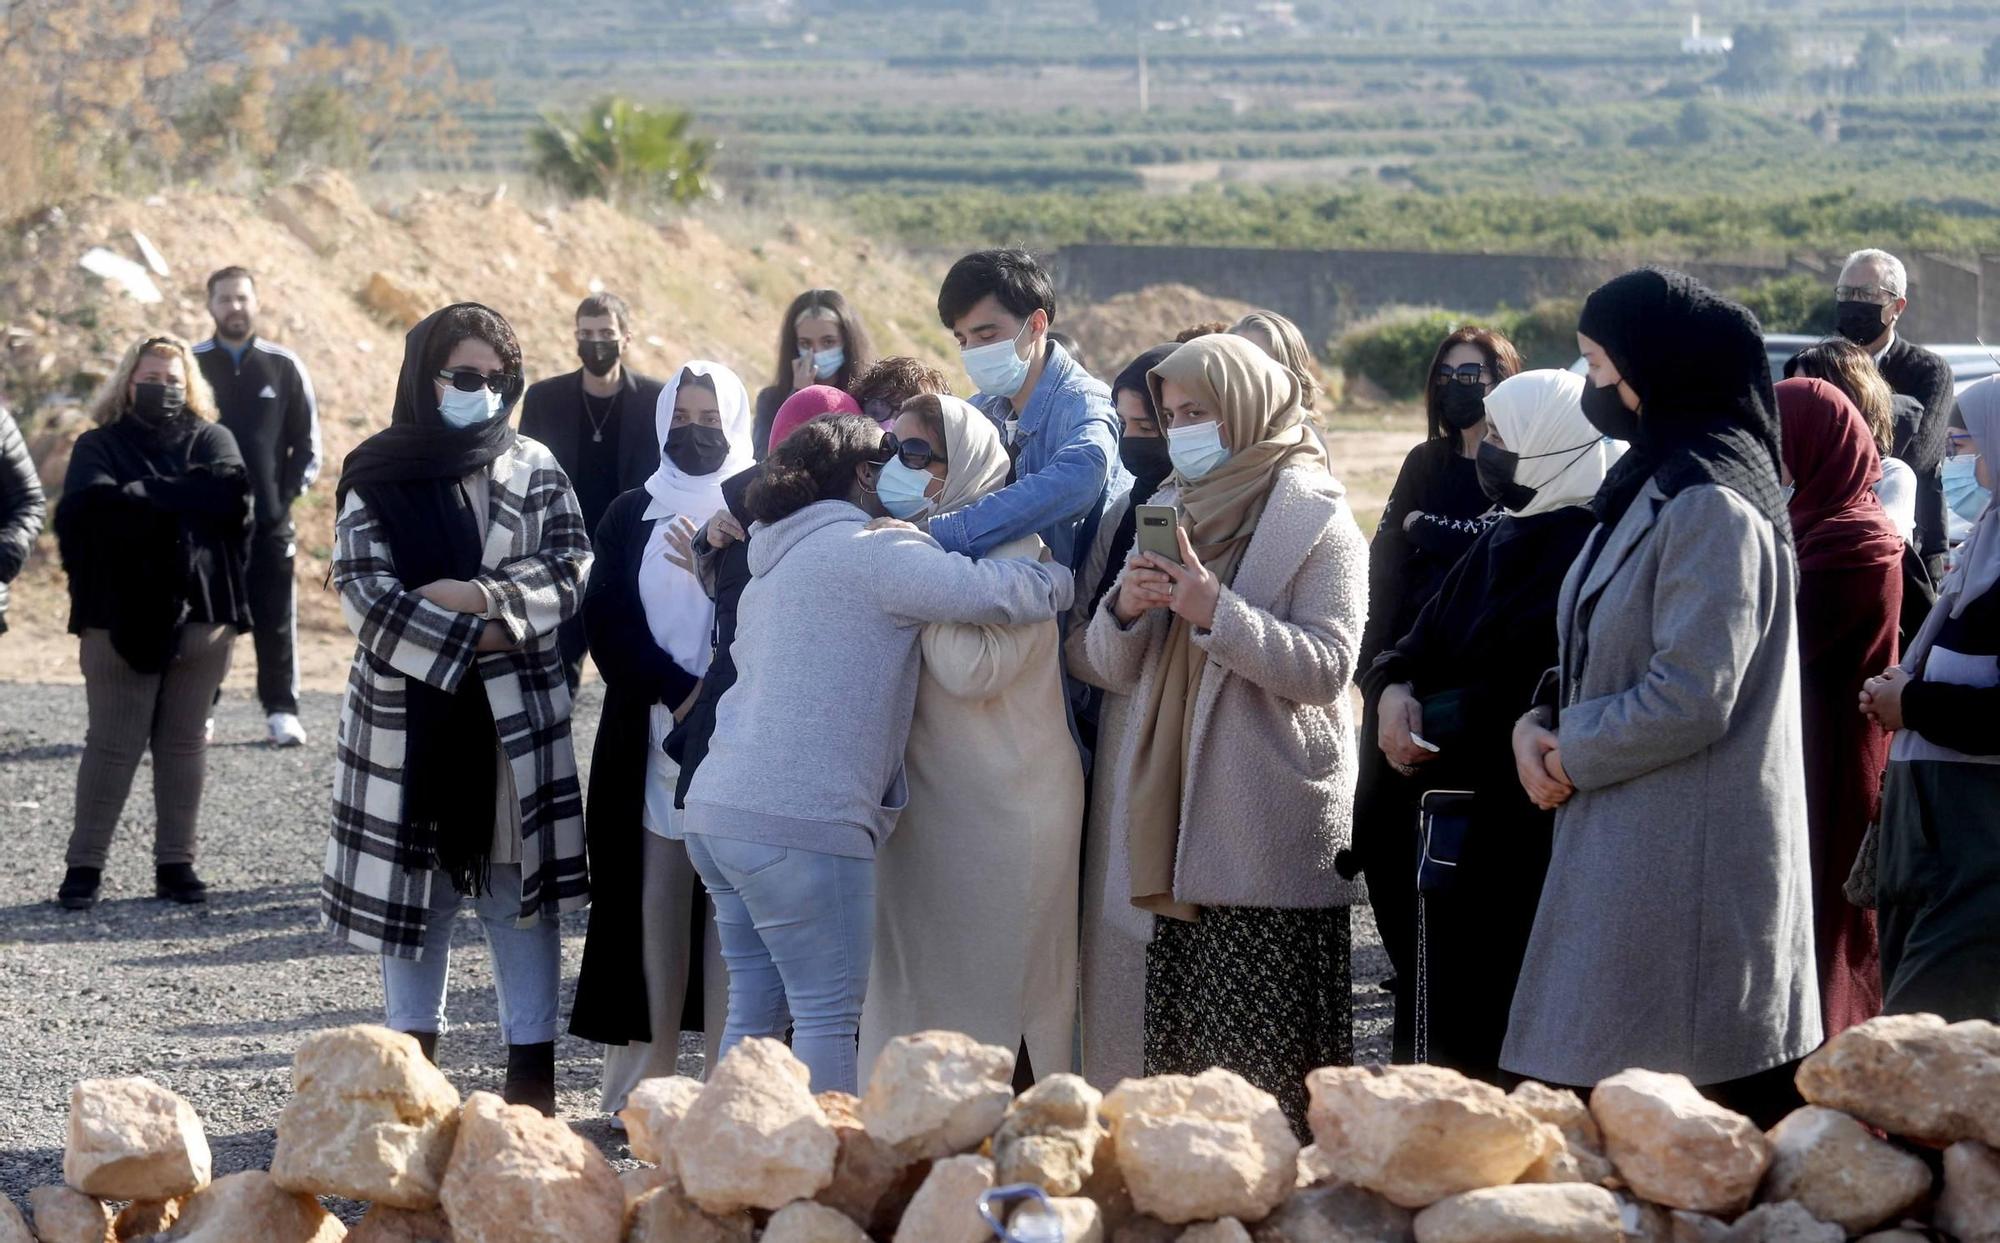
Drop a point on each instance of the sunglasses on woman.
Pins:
(472, 379)
(1469, 373)
(916, 454)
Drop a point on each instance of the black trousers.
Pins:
(274, 616)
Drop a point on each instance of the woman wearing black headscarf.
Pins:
(459, 550)
(1114, 933)
(1675, 929)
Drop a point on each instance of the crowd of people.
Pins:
(1652, 723)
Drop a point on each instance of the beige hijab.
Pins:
(976, 461)
(1257, 402)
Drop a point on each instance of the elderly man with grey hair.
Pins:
(1871, 295)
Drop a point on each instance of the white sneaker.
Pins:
(285, 730)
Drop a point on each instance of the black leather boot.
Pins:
(176, 882)
(531, 1077)
(78, 891)
(428, 1042)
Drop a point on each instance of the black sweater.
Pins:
(1964, 718)
(1916, 373)
(266, 402)
(1406, 567)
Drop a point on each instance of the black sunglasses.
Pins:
(472, 379)
(1468, 373)
(916, 454)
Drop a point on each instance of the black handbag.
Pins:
(1444, 717)
(1444, 817)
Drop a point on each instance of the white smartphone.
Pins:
(1425, 743)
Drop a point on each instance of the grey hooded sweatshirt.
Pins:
(808, 745)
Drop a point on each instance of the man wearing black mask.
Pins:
(598, 421)
(1871, 295)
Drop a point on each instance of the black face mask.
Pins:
(599, 357)
(1496, 468)
(1859, 322)
(1461, 405)
(697, 450)
(1145, 456)
(154, 404)
(1607, 413)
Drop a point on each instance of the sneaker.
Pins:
(285, 729)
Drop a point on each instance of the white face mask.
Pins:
(462, 409)
(996, 370)
(1196, 449)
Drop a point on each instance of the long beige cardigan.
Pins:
(976, 893)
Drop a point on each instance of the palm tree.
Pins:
(623, 152)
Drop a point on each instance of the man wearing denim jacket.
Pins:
(1055, 418)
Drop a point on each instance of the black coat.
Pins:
(610, 1003)
(552, 413)
(22, 507)
(689, 743)
(1405, 567)
(1913, 371)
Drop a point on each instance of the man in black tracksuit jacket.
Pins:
(265, 399)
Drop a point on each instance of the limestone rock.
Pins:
(370, 1119)
(250, 1208)
(662, 1215)
(1195, 1149)
(1643, 1222)
(400, 1225)
(652, 1111)
(1969, 1207)
(1698, 1227)
(937, 1093)
(1335, 1214)
(1417, 1134)
(1579, 1158)
(755, 1138)
(867, 1172)
(1050, 1136)
(66, 1215)
(399, 304)
(518, 1177)
(1314, 1168)
(142, 1219)
(803, 1221)
(1524, 1213)
(1896, 1236)
(1912, 1076)
(1222, 1230)
(131, 1139)
(13, 1227)
(638, 1182)
(946, 1207)
(1675, 1147)
(1839, 1172)
(1082, 1220)
(1788, 1222)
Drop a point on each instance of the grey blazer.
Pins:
(1675, 930)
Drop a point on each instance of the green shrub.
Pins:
(1798, 303)
(1393, 348)
(1545, 333)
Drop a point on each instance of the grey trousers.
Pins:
(668, 880)
(131, 713)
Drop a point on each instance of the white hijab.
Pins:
(678, 611)
(977, 460)
(1539, 415)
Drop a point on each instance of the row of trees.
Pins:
(1765, 60)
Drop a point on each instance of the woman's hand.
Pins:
(1402, 721)
(455, 594)
(1535, 745)
(891, 524)
(1882, 697)
(677, 542)
(723, 530)
(803, 373)
(1141, 588)
(687, 705)
(1192, 591)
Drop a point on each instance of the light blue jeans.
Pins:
(797, 929)
(527, 963)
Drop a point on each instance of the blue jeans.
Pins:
(527, 963)
(797, 930)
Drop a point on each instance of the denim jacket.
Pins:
(1065, 454)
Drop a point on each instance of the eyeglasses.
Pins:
(878, 410)
(1958, 444)
(917, 454)
(472, 379)
(1879, 295)
(1468, 374)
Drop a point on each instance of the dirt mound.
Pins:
(1114, 331)
(343, 278)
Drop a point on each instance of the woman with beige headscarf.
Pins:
(1235, 772)
(976, 894)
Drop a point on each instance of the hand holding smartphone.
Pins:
(1156, 526)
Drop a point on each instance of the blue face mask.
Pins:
(902, 490)
(461, 409)
(826, 363)
(996, 370)
(1962, 489)
(1196, 449)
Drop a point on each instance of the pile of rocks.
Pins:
(1406, 1154)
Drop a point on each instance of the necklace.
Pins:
(598, 421)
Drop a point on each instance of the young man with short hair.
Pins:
(598, 421)
(265, 399)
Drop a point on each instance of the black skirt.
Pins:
(1938, 889)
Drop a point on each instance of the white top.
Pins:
(1898, 493)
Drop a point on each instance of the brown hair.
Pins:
(1502, 359)
(930, 412)
(109, 403)
(1851, 369)
(853, 338)
(815, 463)
(1291, 353)
(894, 380)
(607, 303)
(1209, 329)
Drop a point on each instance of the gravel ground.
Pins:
(212, 1001)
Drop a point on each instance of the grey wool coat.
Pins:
(1675, 930)
(1269, 797)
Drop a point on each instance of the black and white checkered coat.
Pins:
(536, 560)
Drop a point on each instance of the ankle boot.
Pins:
(78, 891)
(428, 1042)
(176, 882)
(531, 1076)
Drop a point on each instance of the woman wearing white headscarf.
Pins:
(976, 910)
(1938, 868)
(652, 964)
(1459, 680)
